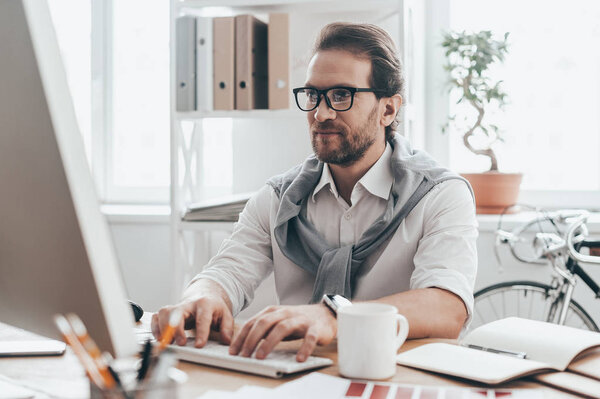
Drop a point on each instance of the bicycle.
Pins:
(536, 300)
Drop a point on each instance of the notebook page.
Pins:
(587, 364)
(571, 382)
(468, 363)
(544, 342)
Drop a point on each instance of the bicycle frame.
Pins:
(563, 253)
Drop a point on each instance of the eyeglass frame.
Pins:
(323, 93)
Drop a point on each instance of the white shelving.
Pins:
(283, 132)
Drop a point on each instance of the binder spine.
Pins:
(204, 63)
(224, 63)
(251, 63)
(185, 59)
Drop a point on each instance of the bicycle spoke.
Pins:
(494, 309)
(477, 315)
(569, 318)
(530, 305)
(532, 302)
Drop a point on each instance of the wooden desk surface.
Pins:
(63, 376)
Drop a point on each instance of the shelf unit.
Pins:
(283, 131)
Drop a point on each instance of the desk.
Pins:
(63, 377)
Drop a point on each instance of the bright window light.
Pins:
(140, 94)
(552, 76)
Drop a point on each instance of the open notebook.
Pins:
(546, 346)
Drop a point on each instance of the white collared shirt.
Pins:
(435, 245)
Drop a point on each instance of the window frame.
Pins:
(102, 117)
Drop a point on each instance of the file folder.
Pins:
(279, 56)
(204, 64)
(185, 59)
(252, 85)
(224, 63)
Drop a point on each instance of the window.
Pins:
(139, 130)
(551, 74)
(116, 55)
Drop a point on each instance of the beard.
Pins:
(352, 145)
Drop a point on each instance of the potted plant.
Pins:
(469, 56)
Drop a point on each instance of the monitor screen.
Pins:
(56, 253)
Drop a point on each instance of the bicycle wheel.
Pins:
(526, 299)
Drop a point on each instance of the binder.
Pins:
(224, 63)
(185, 59)
(252, 85)
(204, 64)
(279, 56)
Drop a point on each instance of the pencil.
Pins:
(84, 358)
(92, 349)
(174, 320)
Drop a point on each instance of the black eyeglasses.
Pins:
(338, 98)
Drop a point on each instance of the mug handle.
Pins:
(402, 330)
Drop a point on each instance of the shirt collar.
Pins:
(378, 179)
(326, 180)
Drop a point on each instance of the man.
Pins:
(365, 217)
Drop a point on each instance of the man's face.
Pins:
(342, 138)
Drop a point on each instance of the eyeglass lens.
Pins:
(339, 99)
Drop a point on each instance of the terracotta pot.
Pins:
(494, 191)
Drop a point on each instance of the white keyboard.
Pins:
(276, 365)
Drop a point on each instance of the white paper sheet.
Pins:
(11, 391)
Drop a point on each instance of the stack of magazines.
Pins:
(222, 209)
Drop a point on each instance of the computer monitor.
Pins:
(56, 254)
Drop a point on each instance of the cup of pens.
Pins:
(152, 377)
(168, 387)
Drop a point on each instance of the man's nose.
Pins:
(323, 111)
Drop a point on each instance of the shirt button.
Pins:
(348, 216)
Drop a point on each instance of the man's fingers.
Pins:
(204, 316)
(260, 329)
(163, 319)
(155, 327)
(179, 335)
(226, 327)
(282, 330)
(311, 339)
(239, 339)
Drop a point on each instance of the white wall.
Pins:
(143, 250)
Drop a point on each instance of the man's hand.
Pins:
(315, 323)
(203, 311)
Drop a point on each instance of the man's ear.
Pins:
(391, 105)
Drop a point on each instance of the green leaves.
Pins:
(469, 57)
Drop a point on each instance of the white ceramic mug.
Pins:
(369, 336)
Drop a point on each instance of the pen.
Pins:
(145, 360)
(519, 355)
(109, 359)
(158, 373)
(92, 349)
(84, 358)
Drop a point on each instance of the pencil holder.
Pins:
(167, 387)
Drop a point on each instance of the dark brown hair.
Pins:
(373, 43)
